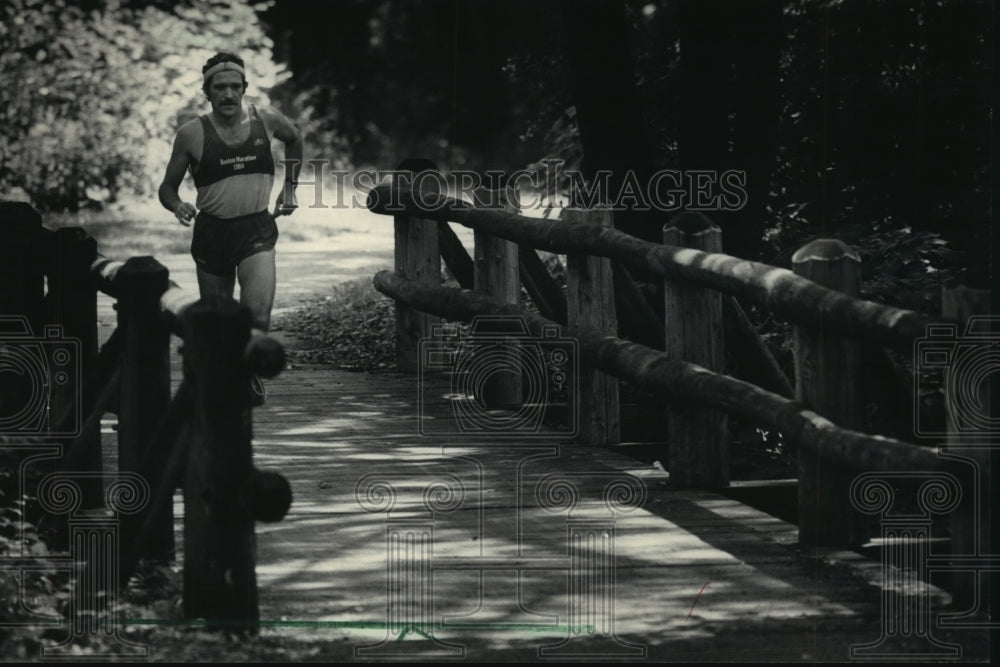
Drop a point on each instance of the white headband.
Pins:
(219, 67)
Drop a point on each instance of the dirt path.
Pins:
(304, 270)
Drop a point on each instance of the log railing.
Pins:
(822, 419)
(198, 439)
(782, 292)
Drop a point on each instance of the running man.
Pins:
(228, 152)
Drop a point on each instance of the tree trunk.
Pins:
(729, 104)
(612, 127)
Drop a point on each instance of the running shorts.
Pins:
(218, 245)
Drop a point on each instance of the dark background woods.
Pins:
(867, 120)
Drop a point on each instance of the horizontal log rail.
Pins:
(823, 416)
(265, 355)
(654, 371)
(780, 291)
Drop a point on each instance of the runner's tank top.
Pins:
(236, 181)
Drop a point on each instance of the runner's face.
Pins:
(225, 92)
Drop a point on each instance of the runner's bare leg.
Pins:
(211, 285)
(257, 279)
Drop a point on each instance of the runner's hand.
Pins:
(185, 212)
(281, 208)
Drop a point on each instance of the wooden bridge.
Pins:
(414, 534)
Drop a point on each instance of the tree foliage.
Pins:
(385, 80)
(94, 90)
(882, 106)
(885, 121)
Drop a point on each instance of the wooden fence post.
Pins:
(145, 386)
(697, 438)
(73, 301)
(496, 273)
(418, 258)
(22, 279)
(828, 379)
(220, 582)
(970, 436)
(590, 303)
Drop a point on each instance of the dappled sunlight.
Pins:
(324, 444)
(737, 511)
(772, 278)
(346, 563)
(325, 425)
(267, 572)
(417, 453)
(303, 506)
(688, 567)
(687, 256)
(308, 586)
(372, 456)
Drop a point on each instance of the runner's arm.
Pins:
(180, 158)
(285, 131)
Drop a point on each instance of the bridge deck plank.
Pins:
(322, 570)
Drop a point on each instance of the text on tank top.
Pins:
(234, 181)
